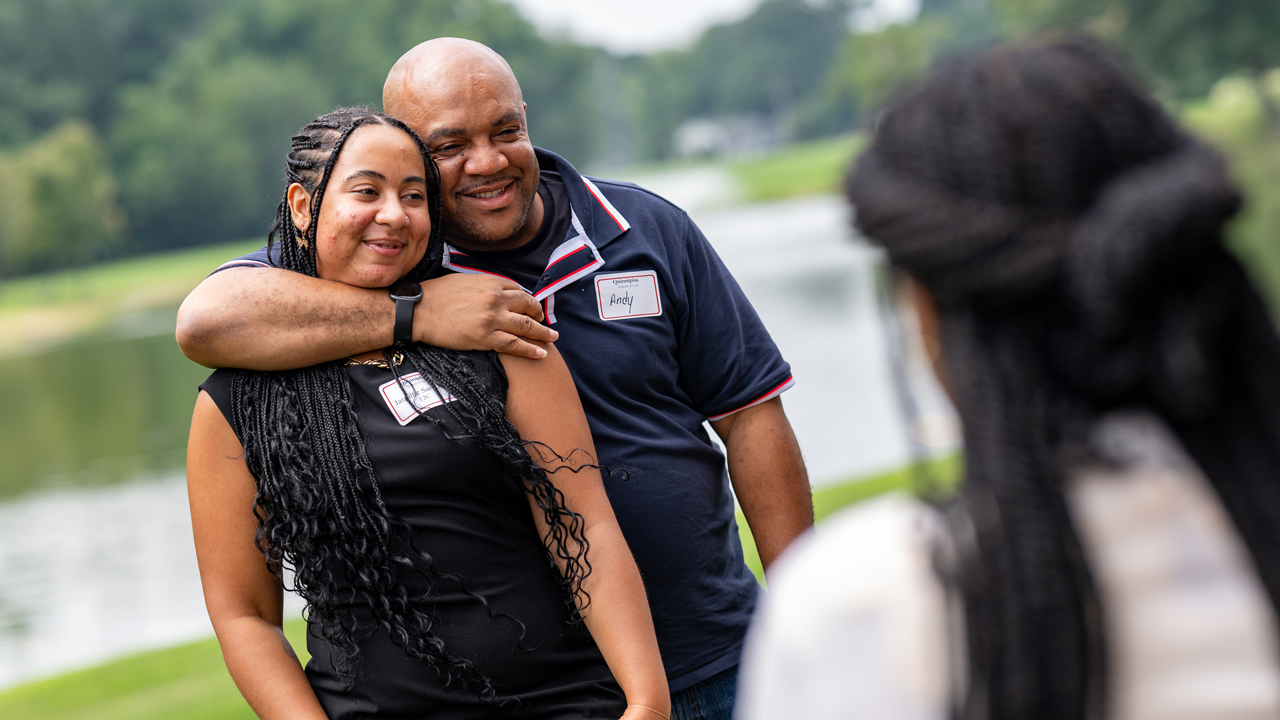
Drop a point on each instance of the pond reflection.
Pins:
(98, 411)
(94, 572)
(96, 556)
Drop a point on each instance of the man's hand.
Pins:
(768, 476)
(480, 312)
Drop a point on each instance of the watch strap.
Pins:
(402, 335)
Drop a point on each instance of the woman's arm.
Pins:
(243, 597)
(543, 404)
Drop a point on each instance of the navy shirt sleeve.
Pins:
(728, 361)
(257, 258)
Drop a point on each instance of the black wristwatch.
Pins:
(406, 293)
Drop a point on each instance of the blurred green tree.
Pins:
(58, 203)
(1186, 45)
(871, 67)
(197, 100)
(63, 59)
(201, 152)
(1233, 119)
(351, 46)
(969, 22)
(767, 64)
(200, 147)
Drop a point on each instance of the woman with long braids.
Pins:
(438, 511)
(1114, 549)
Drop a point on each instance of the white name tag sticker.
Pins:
(628, 295)
(421, 397)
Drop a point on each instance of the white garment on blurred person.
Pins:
(855, 623)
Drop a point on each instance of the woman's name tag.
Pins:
(421, 397)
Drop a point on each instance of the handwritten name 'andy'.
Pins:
(626, 300)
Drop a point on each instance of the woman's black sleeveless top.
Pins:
(468, 512)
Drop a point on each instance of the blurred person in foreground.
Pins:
(439, 511)
(1114, 549)
(657, 333)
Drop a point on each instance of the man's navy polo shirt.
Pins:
(659, 338)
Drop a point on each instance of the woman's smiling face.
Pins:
(374, 221)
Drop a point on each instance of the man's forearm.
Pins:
(268, 319)
(768, 476)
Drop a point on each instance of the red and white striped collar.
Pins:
(578, 256)
(600, 220)
(574, 259)
(599, 197)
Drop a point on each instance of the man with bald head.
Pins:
(657, 334)
(441, 89)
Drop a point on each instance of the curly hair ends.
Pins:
(305, 450)
(1072, 237)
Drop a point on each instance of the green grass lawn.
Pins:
(945, 472)
(809, 168)
(190, 682)
(116, 281)
(187, 682)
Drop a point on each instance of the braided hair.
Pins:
(1071, 236)
(319, 508)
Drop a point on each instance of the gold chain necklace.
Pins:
(397, 357)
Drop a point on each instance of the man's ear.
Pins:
(299, 206)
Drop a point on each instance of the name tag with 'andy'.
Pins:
(421, 397)
(628, 295)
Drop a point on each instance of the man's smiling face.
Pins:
(471, 116)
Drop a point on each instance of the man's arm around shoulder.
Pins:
(273, 319)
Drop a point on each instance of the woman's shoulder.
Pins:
(487, 365)
(855, 617)
(487, 361)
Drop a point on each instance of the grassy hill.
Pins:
(42, 310)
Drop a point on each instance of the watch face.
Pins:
(406, 290)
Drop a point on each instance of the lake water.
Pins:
(96, 557)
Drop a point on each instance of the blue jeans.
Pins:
(711, 699)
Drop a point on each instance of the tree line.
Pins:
(135, 125)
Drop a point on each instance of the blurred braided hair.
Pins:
(1071, 236)
(319, 506)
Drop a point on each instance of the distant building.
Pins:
(728, 135)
